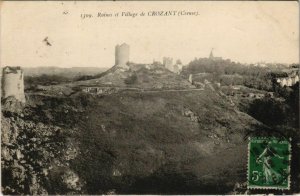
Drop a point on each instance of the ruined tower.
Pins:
(191, 78)
(13, 83)
(168, 63)
(122, 54)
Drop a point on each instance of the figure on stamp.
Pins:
(265, 158)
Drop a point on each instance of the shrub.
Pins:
(131, 79)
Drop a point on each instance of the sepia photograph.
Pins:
(149, 97)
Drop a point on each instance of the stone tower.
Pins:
(13, 83)
(168, 63)
(122, 54)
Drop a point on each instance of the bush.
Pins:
(131, 79)
(269, 111)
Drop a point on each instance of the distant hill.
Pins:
(65, 72)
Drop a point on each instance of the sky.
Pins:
(53, 33)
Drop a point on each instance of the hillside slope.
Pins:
(144, 142)
(140, 76)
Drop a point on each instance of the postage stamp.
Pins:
(269, 163)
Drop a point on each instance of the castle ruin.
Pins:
(122, 55)
(13, 83)
(168, 63)
(191, 78)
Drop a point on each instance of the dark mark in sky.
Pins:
(47, 42)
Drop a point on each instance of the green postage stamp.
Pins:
(269, 163)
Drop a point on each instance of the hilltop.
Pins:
(130, 77)
(139, 76)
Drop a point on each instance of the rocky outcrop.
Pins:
(240, 189)
(31, 152)
(189, 113)
(11, 104)
(71, 180)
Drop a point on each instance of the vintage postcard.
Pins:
(151, 97)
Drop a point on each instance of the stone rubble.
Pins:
(29, 150)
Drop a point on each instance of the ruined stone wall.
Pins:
(168, 63)
(13, 83)
(191, 78)
(122, 54)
